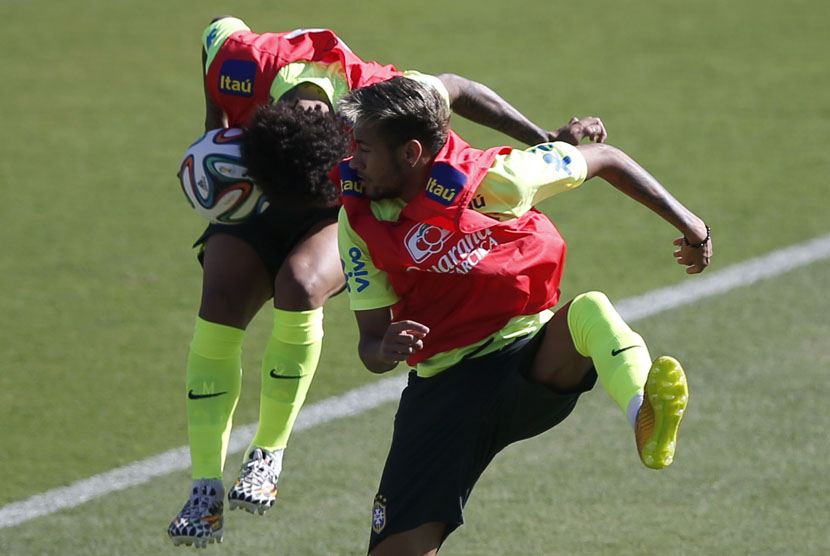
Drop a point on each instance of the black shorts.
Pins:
(273, 234)
(449, 427)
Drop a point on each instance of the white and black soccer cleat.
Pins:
(256, 488)
(200, 522)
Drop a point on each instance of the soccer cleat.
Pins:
(256, 488)
(664, 401)
(200, 522)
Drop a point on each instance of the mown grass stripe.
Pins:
(386, 390)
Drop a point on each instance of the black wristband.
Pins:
(702, 243)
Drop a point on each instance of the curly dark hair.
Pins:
(289, 152)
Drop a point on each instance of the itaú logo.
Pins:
(424, 240)
(237, 77)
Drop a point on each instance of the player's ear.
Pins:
(412, 151)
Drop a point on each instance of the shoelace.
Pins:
(260, 468)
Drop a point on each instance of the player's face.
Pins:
(307, 96)
(307, 104)
(381, 169)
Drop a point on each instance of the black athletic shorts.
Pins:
(273, 234)
(450, 426)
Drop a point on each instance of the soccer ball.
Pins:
(215, 181)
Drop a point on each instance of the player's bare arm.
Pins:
(383, 343)
(214, 116)
(617, 168)
(477, 102)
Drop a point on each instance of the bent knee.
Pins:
(584, 306)
(231, 306)
(592, 298)
(302, 291)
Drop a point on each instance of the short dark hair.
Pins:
(289, 152)
(402, 109)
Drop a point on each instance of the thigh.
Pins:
(530, 408)
(424, 540)
(447, 430)
(557, 364)
(235, 282)
(311, 273)
(430, 469)
(449, 427)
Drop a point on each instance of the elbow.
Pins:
(455, 85)
(603, 160)
(449, 79)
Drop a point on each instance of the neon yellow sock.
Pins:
(288, 367)
(214, 379)
(619, 354)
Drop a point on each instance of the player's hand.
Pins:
(576, 130)
(402, 339)
(694, 258)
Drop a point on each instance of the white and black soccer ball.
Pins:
(216, 182)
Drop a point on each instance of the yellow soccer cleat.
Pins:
(664, 402)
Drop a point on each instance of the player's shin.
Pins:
(619, 354)
(214, 378)
(288, 367)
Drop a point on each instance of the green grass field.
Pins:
(725, 103)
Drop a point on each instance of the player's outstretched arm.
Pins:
(383, 343)
(477, 102)
(621, 171)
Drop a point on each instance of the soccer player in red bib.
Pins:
(450, 269)
(289, 252)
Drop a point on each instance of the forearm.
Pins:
(625, 174)
(383, 344)
(479, 103)
(370, 354)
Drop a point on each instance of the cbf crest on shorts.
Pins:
(379, 514)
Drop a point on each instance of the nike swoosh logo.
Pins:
(193, 396)
(274, 374)
(615, 352)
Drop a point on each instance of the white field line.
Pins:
(386, 390)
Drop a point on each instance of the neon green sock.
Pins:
(619, 354)
(214, 379)
(288, 367)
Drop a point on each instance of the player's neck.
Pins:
(416, 179)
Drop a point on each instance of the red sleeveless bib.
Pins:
(457, 271)
(240, 76)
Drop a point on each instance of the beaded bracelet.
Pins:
(702, 243)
